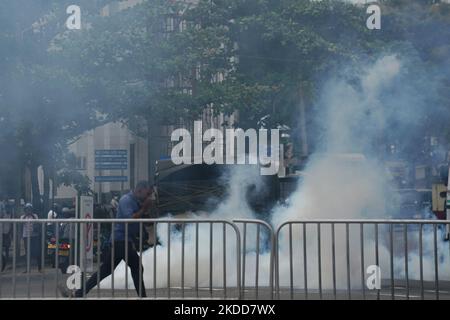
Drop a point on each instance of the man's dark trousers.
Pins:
(106, 269)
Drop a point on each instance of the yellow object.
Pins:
(438, 202)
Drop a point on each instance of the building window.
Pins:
(81, 163)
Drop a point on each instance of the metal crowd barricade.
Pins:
(399, 240)
(208, 258)
(264, 236)
(18, 282)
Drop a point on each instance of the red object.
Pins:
(440, 215)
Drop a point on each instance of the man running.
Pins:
(133, 205)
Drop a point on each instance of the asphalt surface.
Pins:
(46, 285)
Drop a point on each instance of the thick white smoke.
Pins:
(344, 180)
(235, 207)
(342, 183)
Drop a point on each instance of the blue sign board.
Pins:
(111, 166)
(110, 159)
(111, 178)
(112, 152)
(115, 159)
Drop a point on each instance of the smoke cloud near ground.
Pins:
(235, 207)
(344, 179)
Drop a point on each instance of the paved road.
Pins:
(37, 285)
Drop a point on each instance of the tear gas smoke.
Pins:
(343, 180)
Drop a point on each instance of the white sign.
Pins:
(87, 234)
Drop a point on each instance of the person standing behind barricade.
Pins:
(133, 205)
(52, 214)
(115, 204)
(67, 229)
(30, 237)
(5, 230)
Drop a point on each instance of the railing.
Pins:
(185, 245)
(404, 256)
(240, 259)
(263, 243)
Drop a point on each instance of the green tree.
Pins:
(43, 106)
(154, 64)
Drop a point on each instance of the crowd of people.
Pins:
(29, 233)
